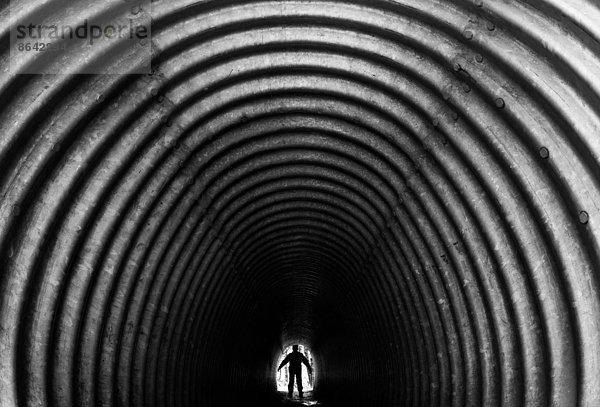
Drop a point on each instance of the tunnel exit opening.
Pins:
(283, 375)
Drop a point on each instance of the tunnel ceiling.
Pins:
(411, 188)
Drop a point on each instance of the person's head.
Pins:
(295, 348)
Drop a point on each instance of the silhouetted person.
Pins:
(295, 359)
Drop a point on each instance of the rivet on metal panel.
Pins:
(544, 153)
(479, 58)
(455, 116)
(468, 34)
(456, 67)
(490, 26)
(466, 87)
(479, 3)
(500, 103)
(584, 217)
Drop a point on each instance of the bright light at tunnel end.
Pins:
(282, 376)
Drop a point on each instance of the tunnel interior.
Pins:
(409, 188)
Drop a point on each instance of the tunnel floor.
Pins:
(308, 400)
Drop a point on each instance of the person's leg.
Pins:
(291, 384)
(299, 383)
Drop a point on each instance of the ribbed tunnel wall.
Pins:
(411, 188)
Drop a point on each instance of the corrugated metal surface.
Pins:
(410, 187)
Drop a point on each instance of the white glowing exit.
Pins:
(283, 375)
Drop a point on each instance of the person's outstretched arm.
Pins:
(283, 362)
(307, 364)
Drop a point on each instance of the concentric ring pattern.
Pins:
(409, 187)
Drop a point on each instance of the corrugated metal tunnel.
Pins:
(410, 188)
